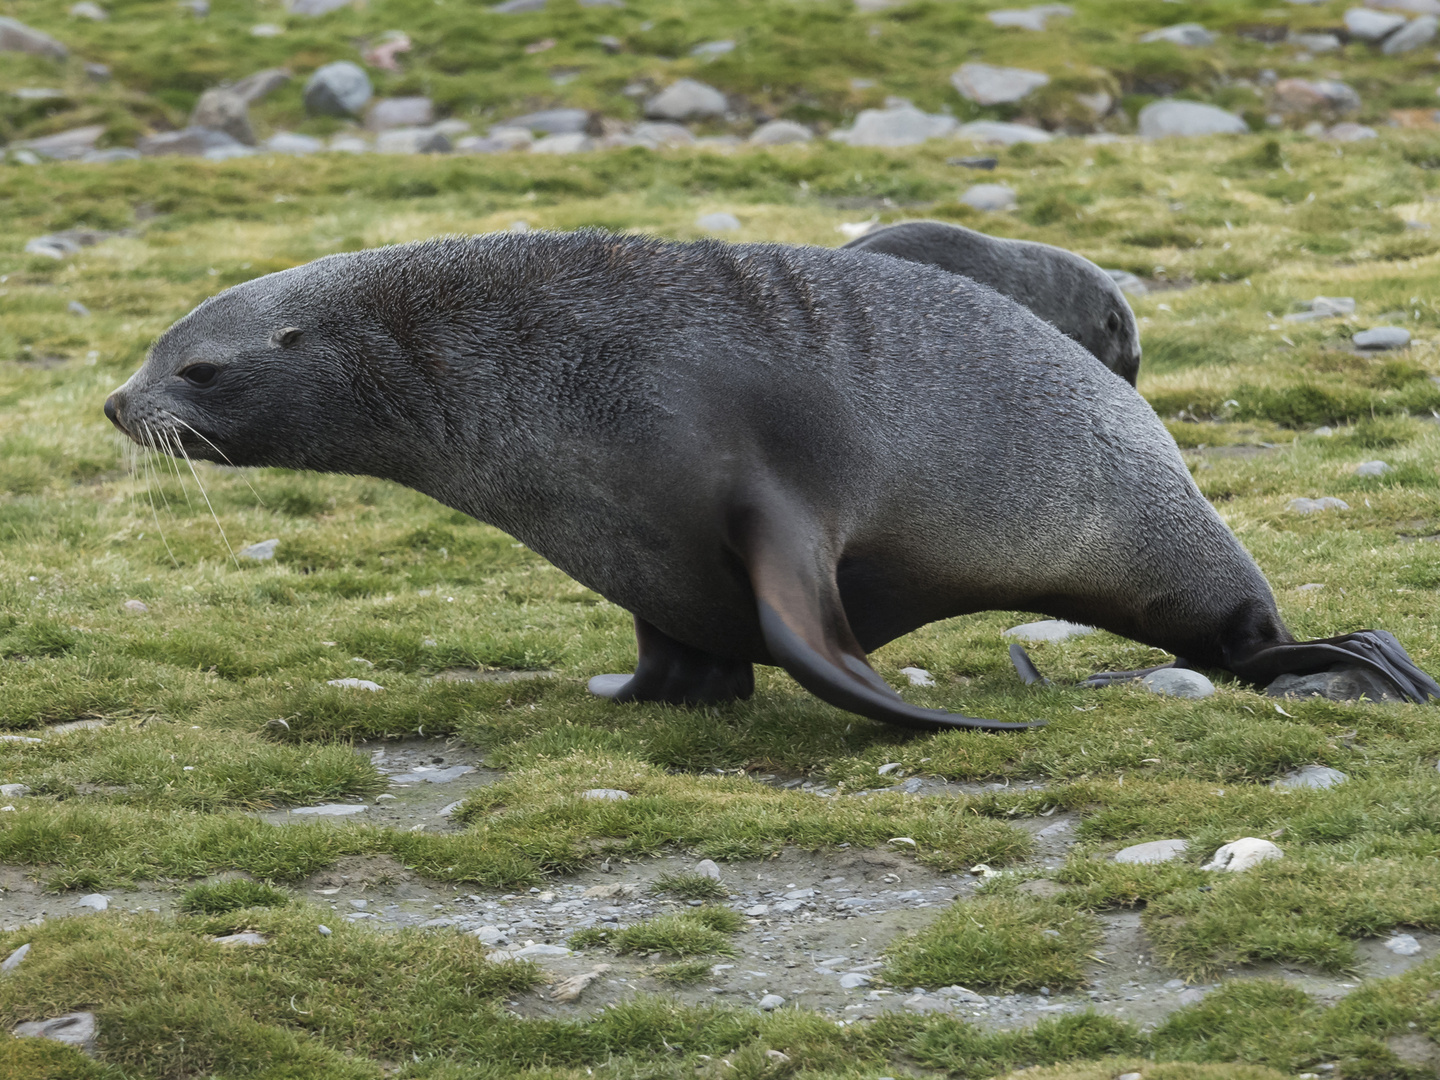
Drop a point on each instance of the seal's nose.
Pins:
(112, 410)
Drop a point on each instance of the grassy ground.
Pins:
(189, 689)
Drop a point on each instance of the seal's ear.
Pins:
(285, 337)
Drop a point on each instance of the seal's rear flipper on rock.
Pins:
(1373, 650)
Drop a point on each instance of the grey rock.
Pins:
(711, 49)
(1403, 945)
(75, 1029)
(422, 140)
(264, 549)
(1346, 685)
(771, 1002)
(659, 134)
(88, 9)
(1156, 851)
(489, 935)
(563, 144)
(1193, 996)
(960, 994)
(1373, 468)
(986, 163)
(17, 37)
(757, 911)
(74, 307)
(1032, 18)
(1178, 682)
(1311, 776)
(1323, 307)
(990, 197)
(400, 112)
(532, 951)
(330, 809)
(14, 791)
(924, 1003)
(94, 901)
(433, 776)
(1382, 337)
(188, 142)
(1349, 131)
(1188, 35)
(261, 84)
(707, 868)
(222, 109)
(1370, 25)
(1315, 506)
(1169, 118)
(355, 684)
(986, 84)
(549, 122)
(779, 132)
(518, 7)
(119, 153)
(65, 145)
(315, 8)
(718, 222)
(137, 606)
(853, 980)
(1315, 95)
(1411, 36)
(323, 930)
(1129, 284)
(902, 125)
(1314, 43)
(1047, 630)
(13, 960)
(1001, 132)
(338, 89)
(686, 99)
(245, 938)
(605, 794)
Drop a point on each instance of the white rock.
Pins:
(13, 960)
(918, 676)
(961, 994)
(1001, 133)
(989, 197)
(986, 84)
(1188, 35)
(1178, 682)
(446, 811)
(574, 143)
(426, 775)
(771, 1002)
(1412, 36)
(331, 809)
(1169, 118)
(1313, 43)
(605, 794)
(887, 768)
(1373, 468)
(718, 222)
(686, 99)
(1243, 854)
(707, 868)
(75, 1029)
(1403, 945)
(323, 930)
(399, 112)
(355, 684)
(1370, 25)
(903, 125)
(261, 551)
(532, 951)
(1382, 337)
(1156, 851)
(1324, 307)
(1047, 630)
(1315, 506)
(757, 911)
(18, 739)
(13, 791)
(1311, 776)
(137, 606)
(240, 939)
(95, 902)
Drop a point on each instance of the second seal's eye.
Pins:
(200, 374)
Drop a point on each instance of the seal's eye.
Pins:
(1112, 323)
(200, 374)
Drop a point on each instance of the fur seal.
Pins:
(764, 453)
(1067, 290)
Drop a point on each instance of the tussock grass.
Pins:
(689, 887)
(226, 896)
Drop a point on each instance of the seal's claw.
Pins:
(607, 686)
(1025, 667)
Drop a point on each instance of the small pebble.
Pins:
(324, 930)
(95, 901)
(605, 793)
(1178, 682)
(1373, 468)
(770, 1002)
(1403, 945)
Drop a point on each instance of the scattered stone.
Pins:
(64, 145)
(18, 739)
(1243, 854)
(1403, 945)
(1315, 506)
(12, 961)
(421, 140)
(1349, 684)
(17, 37)
(1323, 307)
(1370, 25)
(1411, 36)
(718, 222)
(998, 131)
(87, 9)
(707, 868)
(261, 551)
(1047, 630)
(1315, 95)
(400, 112)
(711, 49)
(605, 794)
(221, 109)
(1129, 284)
(918, 676)
(188, 142)
(771, 1002)
(75, 1029)
(549, 122)
(903, 125)
(247, 938)
(624, 890)
(260, 85)
(94, 901)
(1156, 851)
(757, 911)
(138, 606)
(1187, 35)
(1314, 42)
(1373, 468)
(658, 134)
(1349, 131)
(1382, 337)
(337, 89)
(14, 791)
(989, 197)
(355, 684)
(569, 990)
(1169, 118)
(1032, 18)
(1311, 776)
(331, 809)
(853, 980)
(986, 84)
(779, 132)
(1178, 682)
(529, 952)
(686, 99)
(383, 55)
(575, 143)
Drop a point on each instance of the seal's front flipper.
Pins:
(806, 633)
(1373, 650)
(674, 673)
(1030, 674)
(1025, 667)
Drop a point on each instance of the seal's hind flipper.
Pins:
(1374, 650)
(806, 632)
(674, 673)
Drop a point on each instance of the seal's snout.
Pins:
(112, 411)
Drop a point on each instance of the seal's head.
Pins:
(1115, 336)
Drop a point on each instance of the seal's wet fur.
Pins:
(768, 454)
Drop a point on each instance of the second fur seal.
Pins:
(1067, 290)
(764, 453)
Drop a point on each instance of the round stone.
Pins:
(1178, 682)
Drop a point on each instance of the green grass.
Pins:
(226, 896)
(699, 932)
(689, 887)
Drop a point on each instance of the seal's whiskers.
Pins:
(217, 450)
(150, 495)
(206, 497)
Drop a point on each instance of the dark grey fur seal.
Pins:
(1066, 290)
(763, 452)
